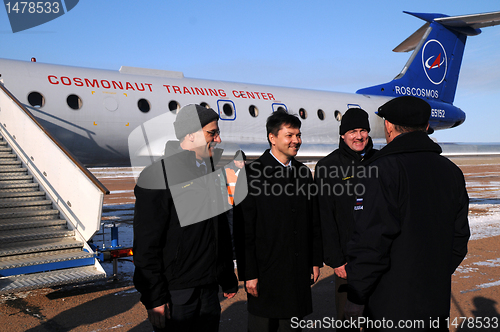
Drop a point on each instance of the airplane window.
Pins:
(302, 113)
(205, 105)
(36, 99)
(228, 110)
(144, 105)
(74, 102)
(174, 106)
(254, 111)
(338, 115)
(321, 114)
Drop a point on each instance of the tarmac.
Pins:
(114, 305)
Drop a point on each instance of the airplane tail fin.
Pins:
(433, 68)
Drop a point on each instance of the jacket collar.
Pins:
(189, 157)
(416, 141)
(353, 155)
(267, 159)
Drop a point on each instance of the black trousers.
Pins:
(340, 300)
(263, 324)
(194, 309)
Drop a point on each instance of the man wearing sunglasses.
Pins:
(182, 244)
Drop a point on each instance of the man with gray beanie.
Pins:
(411, 227)
(182, 245)
(336, 177)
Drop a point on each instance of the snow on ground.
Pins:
(485, 225)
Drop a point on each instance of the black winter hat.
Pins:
(192, 118)
(406, 111)
(354, 118)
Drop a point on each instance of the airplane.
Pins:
(125, 117)
(108, 118)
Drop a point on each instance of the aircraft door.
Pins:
(226, 109)
(279, 106)
(110, 103)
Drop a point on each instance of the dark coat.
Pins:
(337, 177)
(278, 236)
(411, 232)
(168, 256)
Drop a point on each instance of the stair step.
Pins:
(22, 195)
(15, 177)
(15, 248)
(5, 148)
(49, 216)
(9, 187)
(46, 261)
(35, 234)
(22, 223)
(49, 279)
(15, 181)
(5, 162)
(42, 258)
(28, 212)
(9, 169)
(4, 155)
(12, 204)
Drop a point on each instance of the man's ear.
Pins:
(272, 138)
(389, 127)
(190, 137)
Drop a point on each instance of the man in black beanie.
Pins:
(411, 227)
(336, 177)
(182, 245)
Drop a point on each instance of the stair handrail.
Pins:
(82, 211)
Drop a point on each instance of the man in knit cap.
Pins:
(182, 245)
(336, 177)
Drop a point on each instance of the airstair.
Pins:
(50, 206)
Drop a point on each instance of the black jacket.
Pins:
(337, 177)
(168, 256)
(278, 236)
(411, 232)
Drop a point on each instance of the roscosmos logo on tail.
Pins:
(434, 61)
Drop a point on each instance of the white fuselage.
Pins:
(93, 112)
